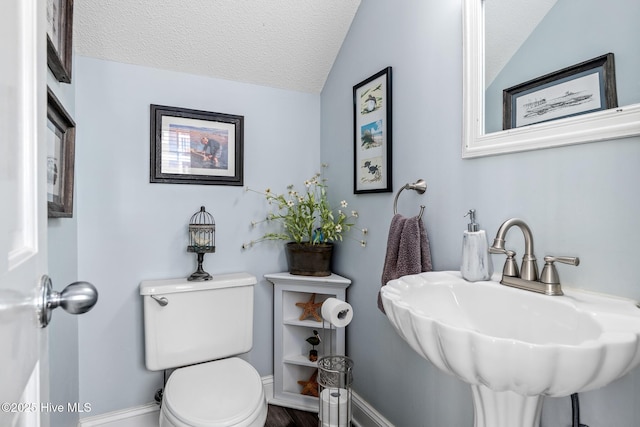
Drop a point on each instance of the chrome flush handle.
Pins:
(161, 300)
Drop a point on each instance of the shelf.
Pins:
(295, 373)
(295, 321)
(300, 359)
(334, 280)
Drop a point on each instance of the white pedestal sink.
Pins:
(513, 346)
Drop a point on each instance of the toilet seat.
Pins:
(222, 393)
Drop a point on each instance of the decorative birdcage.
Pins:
(202, 240)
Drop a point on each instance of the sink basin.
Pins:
(513, 346)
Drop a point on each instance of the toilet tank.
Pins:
(200, 321)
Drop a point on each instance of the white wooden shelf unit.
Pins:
(290, 350)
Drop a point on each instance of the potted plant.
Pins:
(309, 224)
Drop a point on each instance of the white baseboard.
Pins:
(120, 418)
(364, 415)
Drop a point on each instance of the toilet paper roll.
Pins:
(335, 407)
(337, 312)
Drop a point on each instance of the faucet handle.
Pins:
(572, 260)
(510, 265)
(550, 274)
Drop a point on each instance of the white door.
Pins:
(23, 210)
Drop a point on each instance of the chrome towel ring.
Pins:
(420, 186)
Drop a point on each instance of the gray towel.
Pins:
(407, 250)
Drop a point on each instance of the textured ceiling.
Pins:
(278, 43)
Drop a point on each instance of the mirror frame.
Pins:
(615, 123)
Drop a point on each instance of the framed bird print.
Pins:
(372, 134)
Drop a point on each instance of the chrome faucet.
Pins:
(527, 277)
(529, 269)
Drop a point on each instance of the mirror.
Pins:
(485, 110)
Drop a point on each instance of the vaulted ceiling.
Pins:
(277, 43)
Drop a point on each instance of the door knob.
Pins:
(77, 298)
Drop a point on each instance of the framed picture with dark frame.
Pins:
(372, 134)
(196, 147)
(579, 89)
(59, 38)
(61, 144)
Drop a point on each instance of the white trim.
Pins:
(121, 415)
(614, 123)
(267, 385)
(364, 415)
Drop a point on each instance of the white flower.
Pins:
(300, 213)
(363, 243)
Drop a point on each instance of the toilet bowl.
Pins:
(224, 393)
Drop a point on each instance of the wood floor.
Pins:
(279, 416)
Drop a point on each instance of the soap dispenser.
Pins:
(476, 262)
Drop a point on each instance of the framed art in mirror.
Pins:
(607, 124)
(59, 38)
(196, 147)
(61, 142)
(372, 134)
(578, 89)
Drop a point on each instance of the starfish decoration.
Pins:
(310, 387)
(310, 309)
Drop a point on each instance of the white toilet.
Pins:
(202, 324)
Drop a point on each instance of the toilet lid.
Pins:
(220, 393)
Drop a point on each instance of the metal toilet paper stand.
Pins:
(335, 376)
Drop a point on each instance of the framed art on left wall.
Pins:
(59, 38)
(61, 147)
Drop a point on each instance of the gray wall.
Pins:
(63, 270)
(579, 200)
(131, 230)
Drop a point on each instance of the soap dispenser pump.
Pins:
(476, 262)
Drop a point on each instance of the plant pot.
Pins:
(306, 259)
